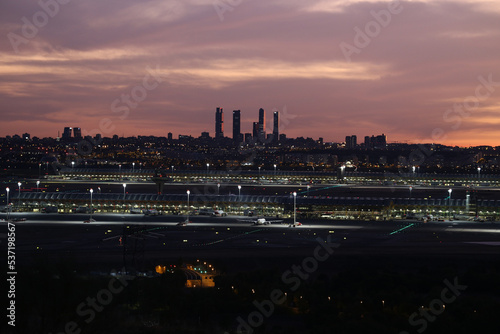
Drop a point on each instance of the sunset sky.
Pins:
(418, 74)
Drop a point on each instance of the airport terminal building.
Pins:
(369, 208)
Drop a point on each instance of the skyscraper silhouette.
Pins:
(219, 123)
(262, 125)
(276, 126)
(237, 126)
(77, 133)
(255, 130)
(67, 133)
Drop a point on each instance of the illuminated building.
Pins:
(200, 275)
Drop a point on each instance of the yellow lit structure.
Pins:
(200, 275)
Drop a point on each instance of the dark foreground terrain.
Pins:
(358, 277)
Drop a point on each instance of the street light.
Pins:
(208, 165)
(124, 186)
(133, 166)
(218, 188)
(478, 172)
(38, 187)
(259, 172)
(91, 191)
(239, 196)
(172, 169)
(467, 201)
(39, 167)
(308, 186)
(342, 169)
(99, 189)
(274, 169)
(72, 164)
(8, 204)
(411, 188)
(187, 219)
(449, 202)
(294, 208)
(19, 199)
(120, 168)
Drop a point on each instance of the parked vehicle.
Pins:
(150, 212)
(49, 209)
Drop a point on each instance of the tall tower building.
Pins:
(351, 141)
(347, 141)
(77, 133)
(262, 125)
(237, 126)
(276, 125)
(219, 123)
(262, 120)
(368, 142)
(255, 130)
(67, 133)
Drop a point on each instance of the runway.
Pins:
(238, 222)
(58, 234)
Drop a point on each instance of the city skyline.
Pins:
(336, 68)
(237, 166)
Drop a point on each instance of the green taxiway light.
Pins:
(401, 229)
